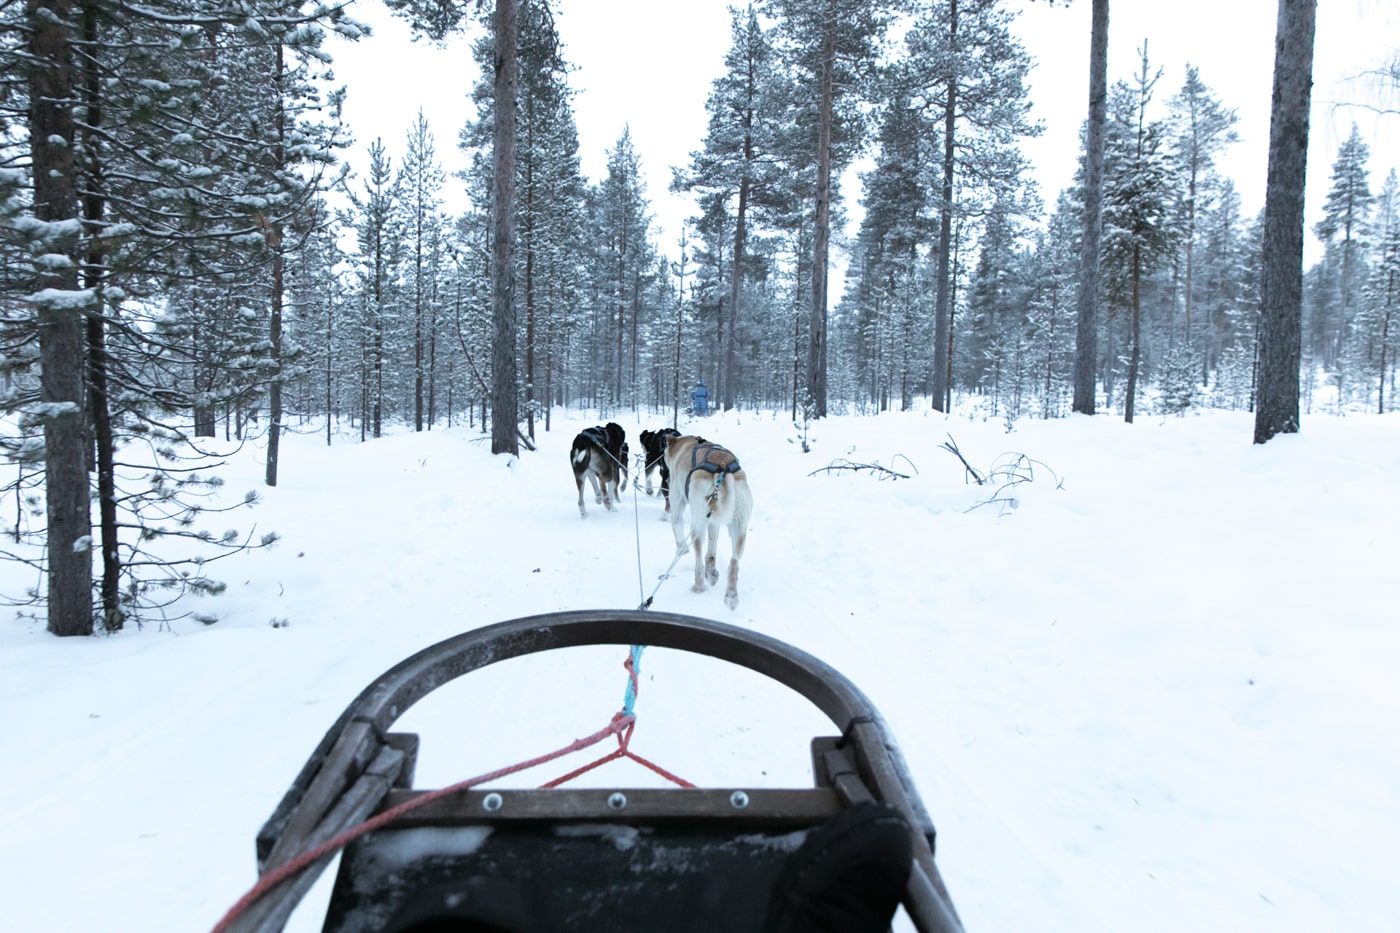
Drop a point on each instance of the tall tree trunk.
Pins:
(274, 350)
(816, 336)
(942, 314)
(61, 329)
(503, 365)
(1086, 349)
(99, 403)
(530, 296)
(1281, 282)
(1135, 353)
(274, 330)
(726, 388)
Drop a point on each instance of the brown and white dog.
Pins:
(600, 455)
(654, 450)
(709, 490)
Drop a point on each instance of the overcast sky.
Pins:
(648, 65)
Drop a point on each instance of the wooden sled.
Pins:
(840, 855)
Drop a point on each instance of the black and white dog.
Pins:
(600, 454)
(654, 449)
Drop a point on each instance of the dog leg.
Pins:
(738, 536)
(583, 512)
(711, 572)
(699, 586)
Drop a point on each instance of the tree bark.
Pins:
(942, 314)
(1281, 282)
(98, 361)
(1135, 353)
(503, 364)
(274, 335)
(52, 125)
(816, 336)
(1086, 349)
(726, 390)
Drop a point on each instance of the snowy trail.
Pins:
(1160, 696)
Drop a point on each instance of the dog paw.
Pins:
(711, 576)
(731, 600)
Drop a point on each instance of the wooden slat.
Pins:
(770, 807)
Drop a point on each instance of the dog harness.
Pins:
(719, 469)
(599, 437)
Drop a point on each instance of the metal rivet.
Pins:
(738, 800)
(492, 802)
(617, 801)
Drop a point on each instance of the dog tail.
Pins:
(579, 457)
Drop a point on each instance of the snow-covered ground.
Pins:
(1157, 693)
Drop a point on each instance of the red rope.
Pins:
(281, 873)
(621, 725)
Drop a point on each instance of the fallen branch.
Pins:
(951, 446)
(1011, 470)
(837, 466)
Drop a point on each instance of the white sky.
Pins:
(648, 65)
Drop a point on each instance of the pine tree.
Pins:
(1344, 228)
(626, 261)
(1086, 358)
(1138, 194)
(972, 71)
(379, 227)
(162, 186)
(740, 162)
(420, 180)
(832, 46)
(1378, 323)
(1201, 128)
(886, 260)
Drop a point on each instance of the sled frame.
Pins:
(360, 767)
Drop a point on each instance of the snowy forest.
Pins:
(185, 256)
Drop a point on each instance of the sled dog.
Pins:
(600, 455)
(708, 490)
(654, 450)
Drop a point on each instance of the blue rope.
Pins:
(630, 697)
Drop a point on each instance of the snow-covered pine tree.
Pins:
(420, 183)
(1200, 127)
(971, 71)
(1378, 321)
(1138, 194)
(889, 304)
(377, 218)
(1345, 229)
(622, 226)
(830, 49)
(549, 202)
(740, 162)
(161, 189)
